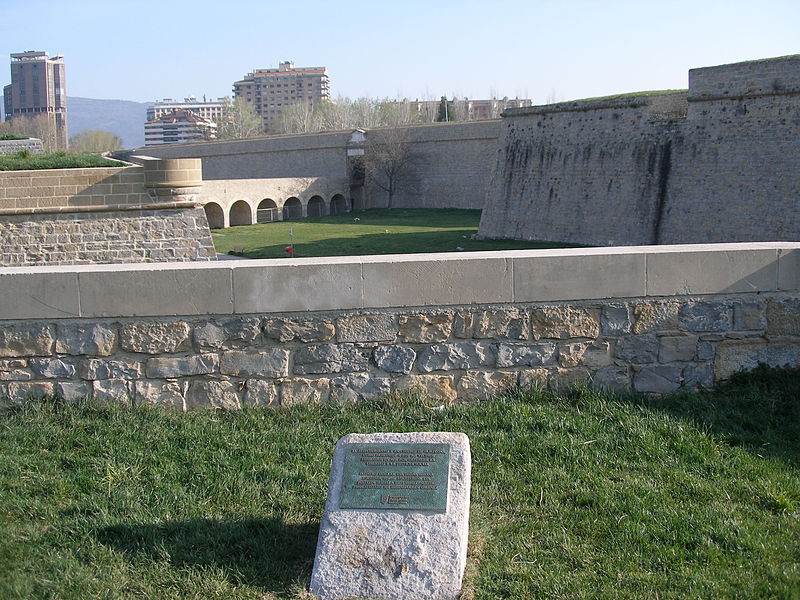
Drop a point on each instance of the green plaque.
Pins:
(396, 476)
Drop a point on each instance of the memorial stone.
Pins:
(397, 517)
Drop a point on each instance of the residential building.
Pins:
(210, 110)
(38, 87)
(269, 91)
(177, 127)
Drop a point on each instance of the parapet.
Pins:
(755, 78)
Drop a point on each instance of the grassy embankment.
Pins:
(376, 231)
(574, 495)
(25, 160)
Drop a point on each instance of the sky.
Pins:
(543, 50)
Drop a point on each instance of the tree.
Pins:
(39, 126)
(95, 141)
(389, 161)
(239, 120)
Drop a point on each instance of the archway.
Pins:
(316, 207)
(267, 211)
(292, 209)
(215, 215)
(241, 213)
(339, 205)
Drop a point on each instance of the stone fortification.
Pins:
(454, 326)
(712, 165)
(111, 214)
(32, 145)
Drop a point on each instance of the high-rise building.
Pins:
(270, 91)
(38, 86)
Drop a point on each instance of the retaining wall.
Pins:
(455, 326)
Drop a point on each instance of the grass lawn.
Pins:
(574, 495)
(377, 231)
(24, 160)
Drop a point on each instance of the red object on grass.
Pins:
(289, 250)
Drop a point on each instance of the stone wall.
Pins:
(453, 326)
(107, 214)
(32, 145)
(713, 165)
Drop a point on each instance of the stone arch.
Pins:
(267, 211)
(292, 208)
(339, 205)
(315, 207)
(215, 215)
(241, 213)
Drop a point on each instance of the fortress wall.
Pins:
(454, 326)
(592, 172)
(113, 214)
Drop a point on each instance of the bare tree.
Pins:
(95, 140)
(389, 161)
(239, 120)
(39, 126)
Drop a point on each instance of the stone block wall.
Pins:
(453, 326)
(32, 145)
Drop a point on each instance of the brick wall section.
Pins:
(450, 354)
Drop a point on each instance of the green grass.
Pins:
(574, 495)
(24, 160)
(377, 231)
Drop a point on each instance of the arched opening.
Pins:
(339, 205)
(241, 214)
(267, 211)
(292, 209)
(316, 207)
(215, 215)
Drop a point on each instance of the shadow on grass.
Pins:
(265, 553)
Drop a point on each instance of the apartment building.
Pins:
(270, 91)
(177, 127)
(38, 86)
(210, 110)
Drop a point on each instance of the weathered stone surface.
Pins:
(615, 320)
(395, 554)
(367, 328)
(258, 392)
(94, 339)
(26, 340)
(564, 322)
(154, 337)
(299, 390)
(587, 354)
(460, 355)
(534, 378)
(638, 349)
(359, 387)
(159, 393)
(735, 355)
(269, 363)
(750, 316)
(234, 333)
(439, 388)
(783, 316)
(499, 324)
(112, 390)
(15, 369)
(679, 348)
(655, 316)
(394, 359)
(426, 328)
(705, 351)
(117, 368)
(611, 378)
(660, 379)
(483, 385)
(209, 393)
(695, 376)
(567, 378)
(20, 391)
(73, 391)
(706, 316)
(331, 358)
(303, 330)
(182, 366)
(52, 368)
(530, 355)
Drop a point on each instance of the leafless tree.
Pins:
(389, 161)
(95, 140)
(39, 126)
(239, 120)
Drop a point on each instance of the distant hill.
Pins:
(123, 117)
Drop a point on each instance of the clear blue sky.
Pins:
(544, 50)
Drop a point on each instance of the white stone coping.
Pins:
(375, 282)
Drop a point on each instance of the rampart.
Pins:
(108, 214)
(455, 326)
(716, 164)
